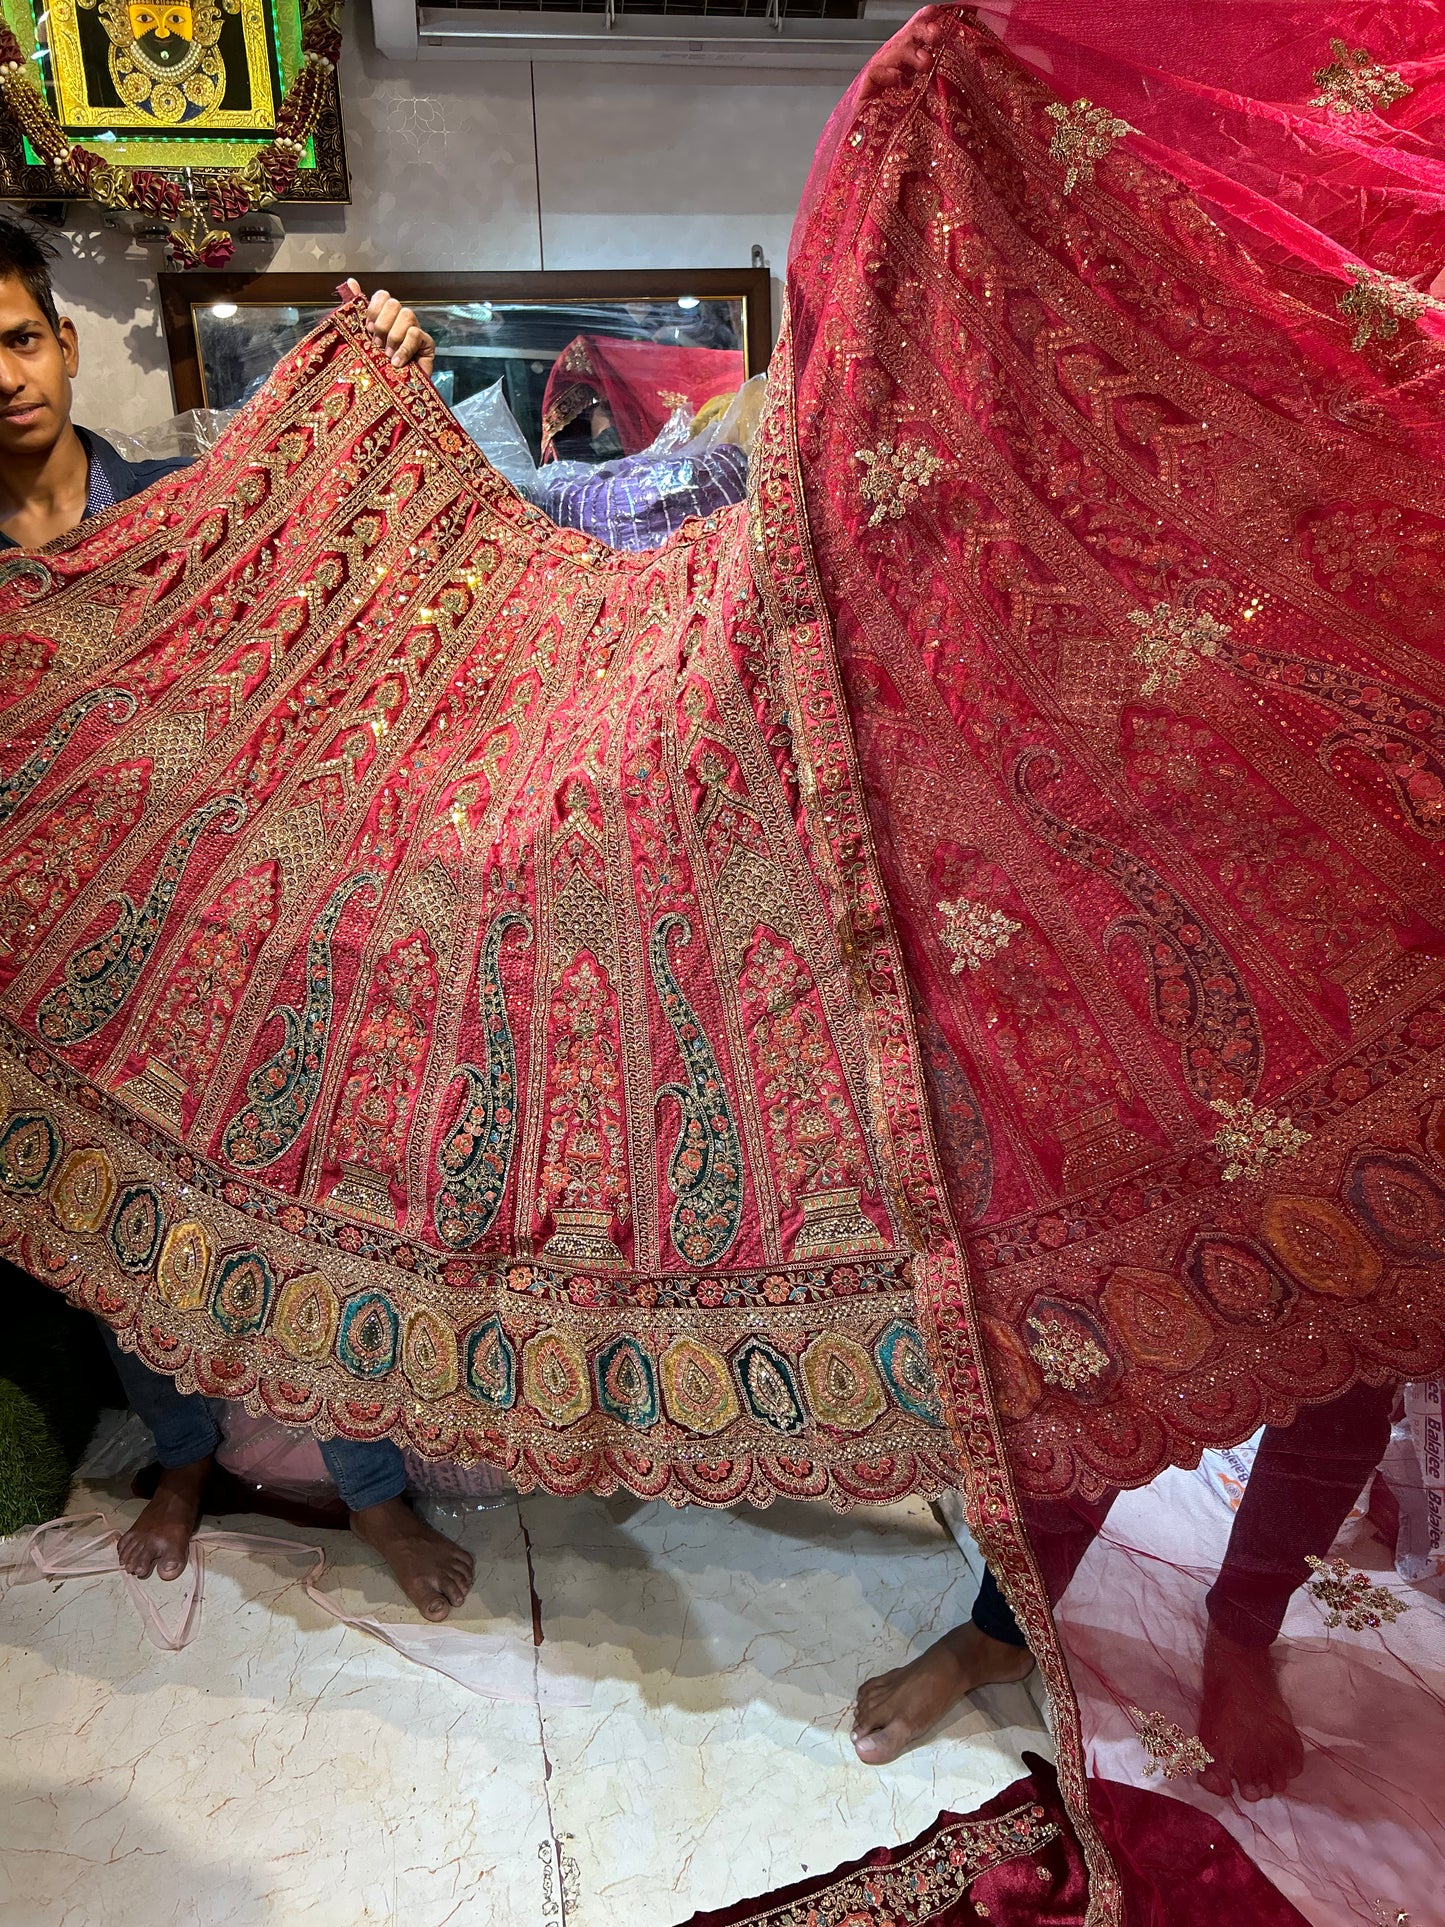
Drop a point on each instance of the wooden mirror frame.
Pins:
(182, 294)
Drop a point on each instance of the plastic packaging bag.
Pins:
(194, 433)
(492, 426)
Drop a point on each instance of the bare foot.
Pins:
(896, 1710)
(1245, 1723)
(434, 1573)
(160, 1539)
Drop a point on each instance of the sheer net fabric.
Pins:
(1119, 404)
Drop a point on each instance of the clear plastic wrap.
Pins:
(191, 434)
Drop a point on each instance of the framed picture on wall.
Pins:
(590, 365)
(166, 85)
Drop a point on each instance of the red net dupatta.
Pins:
(1118, 393)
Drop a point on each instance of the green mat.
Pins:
(55, 1377)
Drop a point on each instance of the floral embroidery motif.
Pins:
(1171, 639)
(1354, 83)
(1378, 303)
(814, 1138)
(1250, 1140)
(1083, 135)
(895, 477)
(974, 932)
(99, 978)
(1066, 1356)
(1171, 1750)
(584, 1175)
(281, 1092)
(919, 1886)
(705, 1171)
(190, 1023)
(14, 789)
(1197, 995)
(382, 1077)
(1347, 1598)
(476, 1155)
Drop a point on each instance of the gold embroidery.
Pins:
(1066, 1356)
(365, 1194)
(582, 1238)
(1378, 303)
(1353, 83)
(1251, 1139)
(1171, 1750)
(1347, 1598)
(1083, 135)
(834, 1225)
(157, 1092)
(1390, 1916)
(974, 932)
(1171, 638)
(920, 1886)
(895, 477)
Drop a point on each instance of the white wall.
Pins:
(622, 168)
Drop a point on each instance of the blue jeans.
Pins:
(365, 1472)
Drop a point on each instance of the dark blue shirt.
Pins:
(111, 478)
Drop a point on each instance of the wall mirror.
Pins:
(590, 365)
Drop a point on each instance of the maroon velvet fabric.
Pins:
(1178, 1869)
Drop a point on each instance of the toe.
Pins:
(880, 1747)
(170, 1567)
(436, 1607)
(1215, 1779)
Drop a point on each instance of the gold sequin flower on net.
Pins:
(974, 932)
(1250, 1140)
(1348, 1598)
(1083, 135)
(894, 477)
(1066, 1356)
(1171, 640)
(1354, 83)
(1378, 303)
(1171, 1750)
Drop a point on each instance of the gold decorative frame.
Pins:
(274, 55)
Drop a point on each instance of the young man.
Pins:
(52, 475)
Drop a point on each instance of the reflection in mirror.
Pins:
(585, 380)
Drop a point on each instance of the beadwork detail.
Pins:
(1171, 1750)
(1083, 135)
(895, 477)
(1171, 639)
(1378, 303)
(922, 1885)
(1250, 1140)
(1348, 1598)
(974, 932)
(1066, 1356)
(1354, 83)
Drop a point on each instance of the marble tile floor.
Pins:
(286, 1770)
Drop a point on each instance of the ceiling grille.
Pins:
(720, 9)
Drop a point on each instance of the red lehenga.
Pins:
(941, 978)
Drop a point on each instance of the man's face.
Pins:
(36, 370)
(164, 34)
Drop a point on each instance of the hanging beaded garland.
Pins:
(198, 236)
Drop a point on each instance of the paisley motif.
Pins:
(627, 1383)
(1197, 996)
(476, 1154)
(14, 789)
(99, 978)
(281, 1092)
(770, 1387)
(491, 1366)
(705, 1171)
